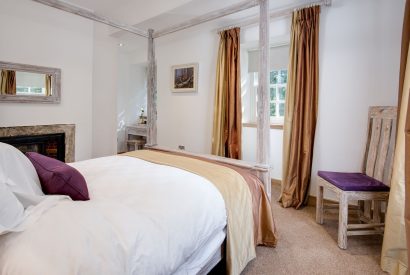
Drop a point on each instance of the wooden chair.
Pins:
(370, 187)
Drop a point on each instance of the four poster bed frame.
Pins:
(261, 169)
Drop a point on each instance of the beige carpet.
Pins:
(305, 247)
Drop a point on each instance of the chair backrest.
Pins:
(381, 139)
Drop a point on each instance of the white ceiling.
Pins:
(158, 14)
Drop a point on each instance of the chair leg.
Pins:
(343, 215)
(360, 208)
(377, 209)
(319, 204)
(367, 209)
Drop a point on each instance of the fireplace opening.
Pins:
(51, 145)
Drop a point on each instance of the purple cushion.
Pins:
(58, 178)
(353, 181)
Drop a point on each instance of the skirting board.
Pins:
(276, 182)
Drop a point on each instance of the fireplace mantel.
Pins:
(68, 129)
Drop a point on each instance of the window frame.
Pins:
(277, 119)
(251, 93)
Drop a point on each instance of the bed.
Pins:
(144, 216)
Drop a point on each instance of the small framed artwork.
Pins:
(184, 78)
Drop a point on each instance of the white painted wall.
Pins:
(38, 35)
(359, 55)
(132, 84)
(276, 141)
(104, 94)
(279, 35)
(359, 67)
(132, 96)
(186, 118)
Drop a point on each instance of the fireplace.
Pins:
(51, 145)
(56, 140)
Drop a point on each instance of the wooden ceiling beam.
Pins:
(207, 17)
(92, 16)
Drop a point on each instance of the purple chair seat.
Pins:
(353, 181)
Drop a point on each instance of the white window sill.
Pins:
(278, 126)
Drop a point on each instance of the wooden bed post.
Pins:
(263, 120)
(151, 92)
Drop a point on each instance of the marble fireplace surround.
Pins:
(68, 129)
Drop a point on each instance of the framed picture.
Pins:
(184, 78)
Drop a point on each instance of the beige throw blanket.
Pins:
(238, 201)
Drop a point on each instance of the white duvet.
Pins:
(142, 218)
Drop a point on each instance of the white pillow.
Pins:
(11, 210)
(17, 171)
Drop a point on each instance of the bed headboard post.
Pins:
(263, 119)
(151, 92)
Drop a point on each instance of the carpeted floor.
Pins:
(305, 247)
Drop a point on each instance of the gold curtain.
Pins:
(301, 106)
(394, 258)
(404, 64)
(227, 122)
(48, 84)
(8, 82)
(394, 252)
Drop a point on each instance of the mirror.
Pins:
(29, 83)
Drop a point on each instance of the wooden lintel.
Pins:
(207, 17)
(91, 15)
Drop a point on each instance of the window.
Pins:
(277, 86)
(278, 78)
(30, 90)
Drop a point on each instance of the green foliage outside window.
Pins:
(278, 81)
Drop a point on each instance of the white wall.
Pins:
(34, 34)
(132, 84)
(132, 96)
(279, 35)
(105, 80)
(359, 67)
(186, 118)
(359, 55)
(276, 141)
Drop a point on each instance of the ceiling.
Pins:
(158, 14)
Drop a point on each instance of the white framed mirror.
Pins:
(29, 83)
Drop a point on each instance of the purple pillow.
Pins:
(58, 178)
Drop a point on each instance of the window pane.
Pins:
(272, 93)
(283, 76)
(20, 90)
(36, 90)
(282, 93)
(281, 109)
(273, 109)
(273, 77)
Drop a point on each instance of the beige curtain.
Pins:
(394, 257)
(405, 64)
(394, 252)
(8, 82)
(301, 106)
(48, 84)
(227, 124)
